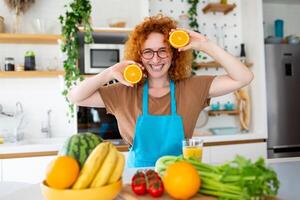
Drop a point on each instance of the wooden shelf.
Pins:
(214, 64)
(222, 112)
(218, 7)
(10, 38)
(110, 30)
(31, 74)
(29, 38)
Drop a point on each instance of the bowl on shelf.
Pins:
(116, 23)
(108, 192)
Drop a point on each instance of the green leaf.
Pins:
(77, 11)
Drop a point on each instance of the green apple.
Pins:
(29, 54)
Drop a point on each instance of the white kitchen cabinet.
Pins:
(224, 153)
(29, 170)
(0, 170)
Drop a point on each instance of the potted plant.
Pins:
(29, 63)
(19, 7)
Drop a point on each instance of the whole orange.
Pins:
(181, 180)
(62, 172)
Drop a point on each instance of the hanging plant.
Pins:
(78, 14)
(193, 22)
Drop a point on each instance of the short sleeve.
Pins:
(201, 86)
(112, 96)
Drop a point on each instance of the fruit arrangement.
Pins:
(237, 179)
(147, 182)
(87, 163)
(79, 146)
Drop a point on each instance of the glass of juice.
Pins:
(192, 148)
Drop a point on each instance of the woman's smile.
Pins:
(157, 67)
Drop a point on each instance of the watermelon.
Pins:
(79, 146)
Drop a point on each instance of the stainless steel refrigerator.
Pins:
(283, 99)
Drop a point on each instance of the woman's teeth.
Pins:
(156, 67)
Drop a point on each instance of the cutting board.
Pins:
(128, 194)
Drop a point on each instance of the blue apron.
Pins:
(156, 135)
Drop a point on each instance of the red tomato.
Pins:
(139, 186)
(138, 174)
(156, 189)
(151, 174)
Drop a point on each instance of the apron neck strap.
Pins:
(145, 99)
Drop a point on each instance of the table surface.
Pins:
(288, 174)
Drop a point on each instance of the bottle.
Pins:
(9, 64)
(278, 24)
(243, 54)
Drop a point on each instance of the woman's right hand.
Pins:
(118, 69)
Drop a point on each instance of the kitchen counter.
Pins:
(288, 173)
(26, 191)
(41, 147)
(50, 146)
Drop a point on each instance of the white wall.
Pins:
(225, 30)
(289, 13)
(132, 11)
(244, 24)
(252, 29)
(40, 94)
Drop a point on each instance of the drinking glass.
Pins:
(192, 148)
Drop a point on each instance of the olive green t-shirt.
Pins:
(125, 103)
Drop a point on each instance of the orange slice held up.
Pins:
(179, 38)
(133, 73)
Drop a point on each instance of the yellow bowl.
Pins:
(107, 192)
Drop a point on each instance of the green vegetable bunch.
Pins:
(77, 14)
(239, 179)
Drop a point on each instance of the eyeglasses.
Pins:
(149, 53)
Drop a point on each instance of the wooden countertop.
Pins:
(121, 148)
(127, 194)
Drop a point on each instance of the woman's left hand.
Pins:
(197, 42)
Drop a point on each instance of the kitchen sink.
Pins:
(37, 141)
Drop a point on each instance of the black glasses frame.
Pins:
(153, 53)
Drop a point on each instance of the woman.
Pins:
(156, 115)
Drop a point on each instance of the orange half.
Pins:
(179, 38)
(133, 73)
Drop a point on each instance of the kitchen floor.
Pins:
(289, 176)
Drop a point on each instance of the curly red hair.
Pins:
(181, 66)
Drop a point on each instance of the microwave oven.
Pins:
(101, 56)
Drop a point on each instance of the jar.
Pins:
(1, 24)
(9, 64)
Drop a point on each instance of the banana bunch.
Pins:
(104, 166)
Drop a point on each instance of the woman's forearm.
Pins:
(236, 70)
(89, 86)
